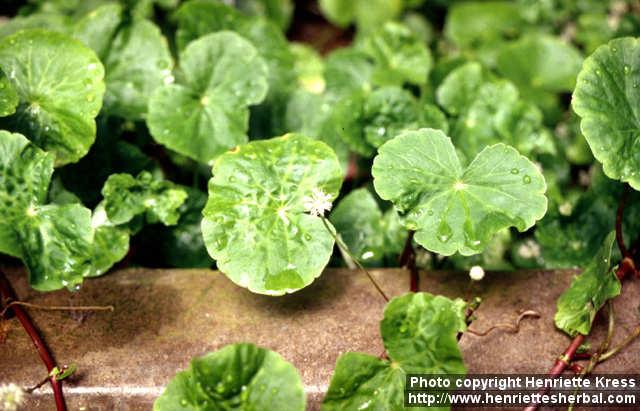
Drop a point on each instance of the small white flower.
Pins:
(318, 203)
(529, 249)
(476, 273)
(11, 396)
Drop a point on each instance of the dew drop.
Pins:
(232, 179)
(90, 98)
(307, 237)
(444, 231)
(526, 179)
(627, 69)
(515, 171)
(184, 402)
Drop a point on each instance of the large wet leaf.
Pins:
(25, 172)
(136, 57)
(60, 85)
(206, 112)
(56, 242)
(578, 305)
(236, 377)
(607, 98)
(419, 333)
(98, 27)
(255, 223)
(138, 62)
(452, 208)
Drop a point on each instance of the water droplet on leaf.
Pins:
(444, 232)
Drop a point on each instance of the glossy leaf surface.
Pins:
(256, 224)
(452, 208)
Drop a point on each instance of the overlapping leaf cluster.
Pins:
(199, 129)
(169, 86)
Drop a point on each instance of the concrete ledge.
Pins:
(163, 318)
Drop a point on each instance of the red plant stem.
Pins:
(563, 362)
(408, 259)
(45, 355)
(619, 213)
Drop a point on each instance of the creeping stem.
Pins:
(626, 267)
(8, 297)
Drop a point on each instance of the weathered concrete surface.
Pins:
(164, 317)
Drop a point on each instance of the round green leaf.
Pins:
(60, 85)
(138, 62)
(255, 223)
(607, 98)
(136, 57)
(540, 62)
(206, 113)
(97, 28)
(197, 18)
(419, 333)
(399, 56)
(497, 114)
(473, 24)
(459, 89)
(348, 70)
(236, 377)
(454, 209)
